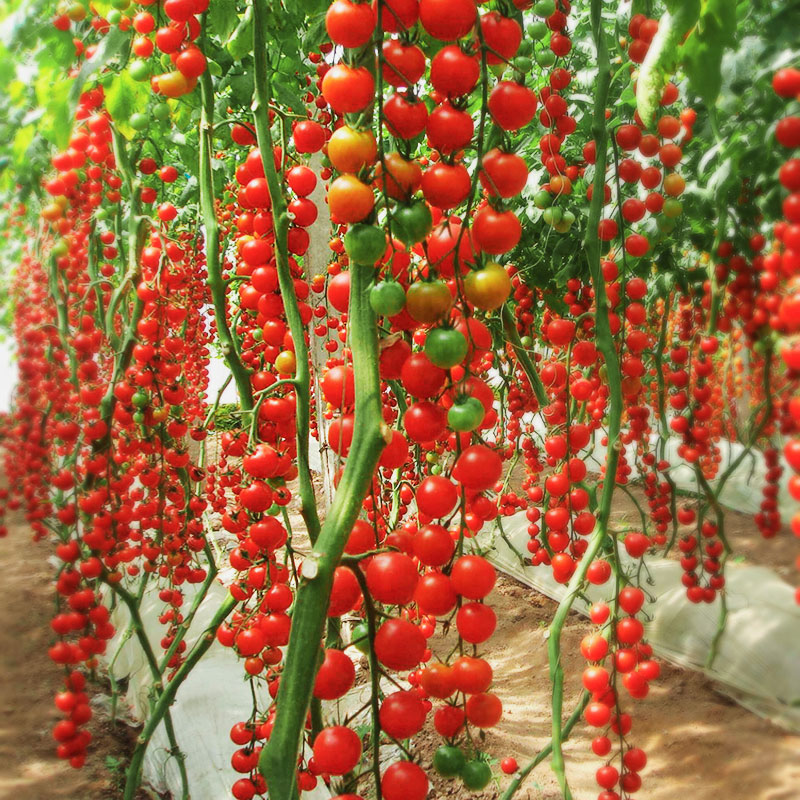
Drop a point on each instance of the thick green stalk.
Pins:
(607, 348)
(213, 264)
(280, 216)
(278, 760)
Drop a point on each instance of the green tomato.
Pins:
(365, 244)
(120, 5)
(448, 760)
(545, 58)
(543, 199)
(672, 208)
(387, 298)
(446, 347)
(139, 121)
(436, 469)
(537, 30)
(476, 774)
(273, 510)
(139, 70)
(497, 69)
(258, 334)
(138, 417)
(161, 112)
(523, 64)
(525, 47)
(412, 223)
(465, 414)
(552, 215)
(526, 341)
(60, 248)
(360, 638)
(544, 8)
(666, 224)
(140, 399)
(113, 17)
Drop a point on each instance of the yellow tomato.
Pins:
(350, 150)
(487, 288)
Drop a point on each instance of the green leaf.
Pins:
(241, 41)
(663, 57)
(110, 46)
(52, 95)
(125, 97)
(222, 19)
(703, 51)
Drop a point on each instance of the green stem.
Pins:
(279, 758)
(510, 328)
(513, 787)
(607, 348)
(280, 215)
(161, 707)
(213, 263)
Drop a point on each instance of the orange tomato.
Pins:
(349, 199)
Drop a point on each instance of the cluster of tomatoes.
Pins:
(617, 643)
(784, 266)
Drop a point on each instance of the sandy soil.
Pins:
(29, 769)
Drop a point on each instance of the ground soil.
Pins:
(700, 744)
(29, 769)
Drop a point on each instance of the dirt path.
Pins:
(29, 769)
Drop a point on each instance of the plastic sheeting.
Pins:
(762, 636)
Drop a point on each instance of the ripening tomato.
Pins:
(404, 780)
(487, 288)
(399, 644)
(348, 89)
(349, 199)
(453, 72)
(350, 150)
(402, 714)
(392, 578)
(337, 750)
(447, 20)
(350, 24)
(428, 301)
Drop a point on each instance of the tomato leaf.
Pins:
(125, 97)
(703, 51)
(111, 45)
(222, 20)
(663, 57)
